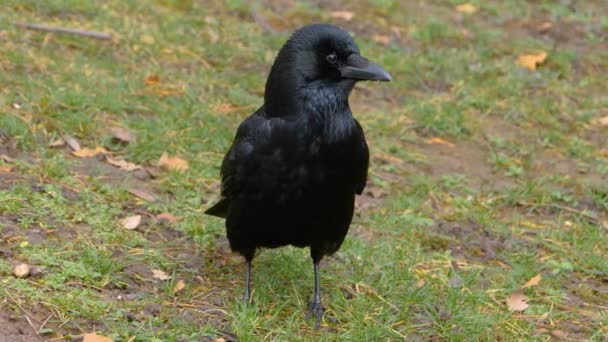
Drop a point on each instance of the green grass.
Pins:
(454, 230)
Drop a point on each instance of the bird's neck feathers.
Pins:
(323, 102)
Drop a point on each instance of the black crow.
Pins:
(295, 165)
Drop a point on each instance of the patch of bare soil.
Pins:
(16, 329)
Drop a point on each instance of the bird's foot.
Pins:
(315, 309)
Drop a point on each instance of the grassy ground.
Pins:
(484, 173)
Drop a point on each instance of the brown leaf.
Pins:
(72, 142)
(439, 141)
(123, 164)
(533, 281)
(87, 152)
(517, 301)
(344, 15)
(121, 134)
(466, 8)
(420, 283)
(152, 79)
(559, 334)
(544, 27)
(59, 142)
(146, 196)
(603, 121)
(219, 339)
(22, 270)
(180, 285)
(381, 38)
(131, 222)
(531, 62)
(172, 162)
(93, 337)
(6, 169)
(160, 275)
(166, 217)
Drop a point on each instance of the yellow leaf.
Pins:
(533, 281)
(532, 61)
(439, 141)
(466, 8)
(172, 162)
(93, 337)
(147, 39)
(344, 15)
(87, 152)
(131, 222)
(180, 285)
(517, 301)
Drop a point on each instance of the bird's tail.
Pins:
(219, 209)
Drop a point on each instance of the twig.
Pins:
(92, 34)
(261, 21)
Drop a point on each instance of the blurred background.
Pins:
(485, 216)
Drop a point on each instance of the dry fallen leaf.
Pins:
(420, 283)
(344, 15)
(59, 142)
(87, 152)
(219, 339)
(71, 141)
(166, 217)
(6, 169)
(21, 271)
(160, 275)
(227, 108)
(381, 38)
(93, 337)
(121, 134)
(517, 301)
(600, 121)
(439, 141)
(559, 334)
(172, 162)
(146, 196)
(123, 164)
(544, 27)
(533, 281)
(466, 8)
(6, 158)
(532, 61)
(152, 79)
(131, 222)
(180, 285)
(147, 39)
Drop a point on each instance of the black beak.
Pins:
(361, 68)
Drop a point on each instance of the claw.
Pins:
(316, 310)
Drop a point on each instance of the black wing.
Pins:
(363, 163)
(238, 159)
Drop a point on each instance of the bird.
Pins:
(295, 165)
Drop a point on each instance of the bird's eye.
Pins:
(332, 58)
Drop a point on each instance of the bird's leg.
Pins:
(247, 295)
(316, 307)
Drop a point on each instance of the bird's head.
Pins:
(316, 58)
